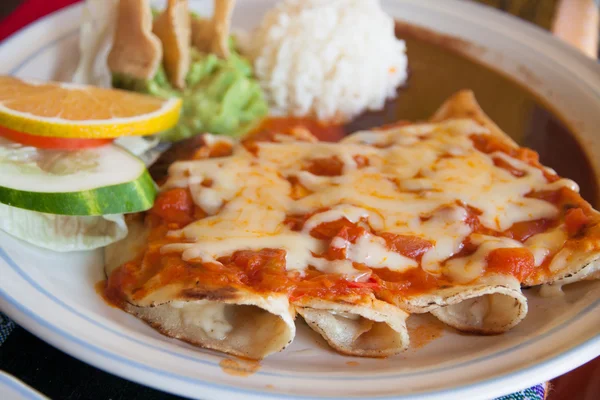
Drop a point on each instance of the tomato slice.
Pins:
(44, 142)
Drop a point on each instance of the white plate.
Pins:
(53, 295)
(13, 389)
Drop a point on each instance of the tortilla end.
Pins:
(505, 312)
(493, 305)
(463, 104)
(257, 329)
(375, 329)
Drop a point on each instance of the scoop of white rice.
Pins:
(331, 59)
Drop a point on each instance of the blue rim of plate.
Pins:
(33, 316)
(20, 387)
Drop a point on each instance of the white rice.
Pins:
(331, 59)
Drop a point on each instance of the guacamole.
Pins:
(221, 96)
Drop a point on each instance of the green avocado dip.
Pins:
(221, 96)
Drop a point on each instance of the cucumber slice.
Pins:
(98, 181)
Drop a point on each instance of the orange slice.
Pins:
(70, 110)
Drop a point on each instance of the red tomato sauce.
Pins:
(517, 262)
(327, 132)
(264, 270)
(490, 144)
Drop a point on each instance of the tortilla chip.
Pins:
(136, 52)
(222, 26)
(174, 31)
(212, 35)
(202, 33)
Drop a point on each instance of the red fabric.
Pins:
(27, 12)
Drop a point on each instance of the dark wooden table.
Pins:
(60, 376)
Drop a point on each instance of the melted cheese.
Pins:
(451, 221)
(349, 212)
(544, 244)
(415, 177)
(467, 269)
(208, 316)
(372, 251)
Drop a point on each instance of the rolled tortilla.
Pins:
(580, 260)
(230, 320)
(369, 328)
(233, 320)
(493, 305)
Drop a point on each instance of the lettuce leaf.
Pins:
(62, 232)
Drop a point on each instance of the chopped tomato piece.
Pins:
(575, 220)
(326, 286)
(361, 161)
(297, 190)
(522, 231)
(413, 281)
(266, 266)
(253, 260)
(408, 246)
(490, 144)
(44, 142)
(466, 249)
(518, 262)
(336, 253)
(562, 198)
(554, 196)
(473, 219)
(328, 230)
(324, 131)
(501, 163)
(527, 155)
(347, 234)
(360, 285)
(294, 222)
(331, 166)
(174, 206)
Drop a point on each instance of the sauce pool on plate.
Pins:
(239, 367)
